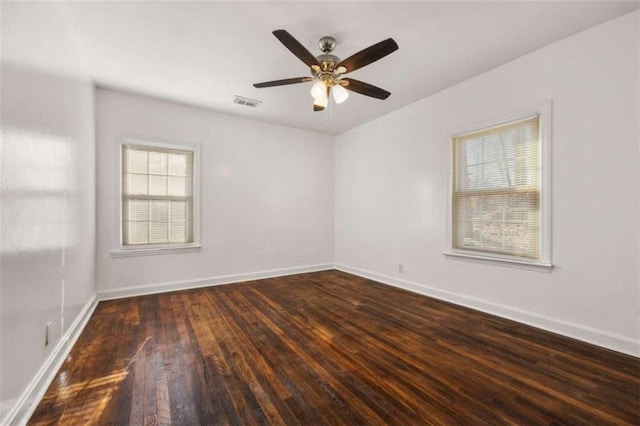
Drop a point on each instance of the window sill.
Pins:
(511, 263)
(154, 251)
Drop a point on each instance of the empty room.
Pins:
(310, 213)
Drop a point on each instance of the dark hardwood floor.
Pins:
(329, 348)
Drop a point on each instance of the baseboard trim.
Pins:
(210, 281)
(576, 331)
(25, 405)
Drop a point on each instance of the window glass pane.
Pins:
(137, 233)
(178, 211)
(158, 233)
(493, 167)
(157, 185)
(473, 151)
(178, 186)
(177, 164)
(158, 162)
(159, 211)
(504, 223)
(178, 233)
(157, 191)
(137, 210)
(496, 190)
(137, 161)
(137, 184)
(495, 175)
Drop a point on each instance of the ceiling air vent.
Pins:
(241, 100)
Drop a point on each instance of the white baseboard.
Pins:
(25, 405)
(22, 409)
(577, 331)
(210, 281)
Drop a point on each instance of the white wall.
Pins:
(268, 199)
(392, 178)
(266, 196)
(47, 271)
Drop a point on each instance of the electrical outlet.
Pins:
(401, 267)
(46, 333)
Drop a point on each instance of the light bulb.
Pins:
(319, 90)
(340, 94)
(322, 101)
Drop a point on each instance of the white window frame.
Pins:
(156, 249)
(544, 264)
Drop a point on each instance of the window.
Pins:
(498, 209)
(157, 195)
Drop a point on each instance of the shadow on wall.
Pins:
(47, 164)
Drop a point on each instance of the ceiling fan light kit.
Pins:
(339, 93)
(321, 102)
(327, 70)
(319, 89)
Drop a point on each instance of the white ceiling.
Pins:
(204, 53)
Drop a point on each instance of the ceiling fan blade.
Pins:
(283, 82)
(369, 55)
(296, 48)
(365, 88)
(317, 107)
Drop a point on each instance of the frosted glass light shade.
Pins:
(319, 90)
(322, 101)
(340, 94)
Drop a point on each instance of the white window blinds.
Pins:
(496, 190)
(157, 196)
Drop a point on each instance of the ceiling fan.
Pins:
(327, 70)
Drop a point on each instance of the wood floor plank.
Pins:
(329, 348)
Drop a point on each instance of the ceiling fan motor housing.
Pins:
(327, 61)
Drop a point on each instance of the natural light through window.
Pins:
(157, 196)
(496, 195)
